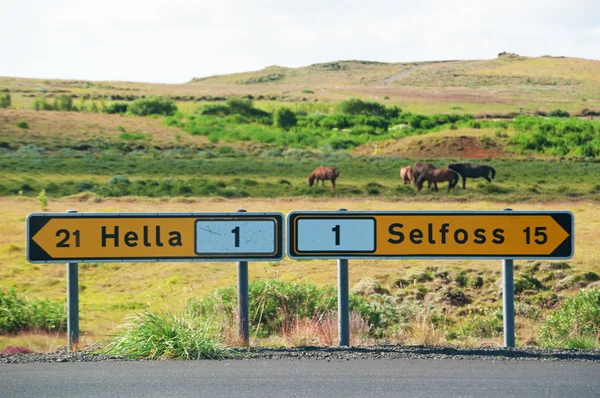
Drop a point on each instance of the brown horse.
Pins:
(323, 173)
(420, 168)
(406, 174)
(438, 175)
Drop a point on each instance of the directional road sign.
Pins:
(450, 234)
(147, 237)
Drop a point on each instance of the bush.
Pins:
(116, 180)
(285, 118)
(275, 305)
(215, 110)
(18, 313)
(167, 336)
(63, 103)
(153, 106)
(5, 101)
(356, 106)
(40, 104)
(22, 125)
(116, 107)
(558, 113)
(576, 321)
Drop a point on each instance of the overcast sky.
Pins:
(172, 41)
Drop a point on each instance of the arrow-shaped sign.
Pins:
(476, 234)
(81, 237)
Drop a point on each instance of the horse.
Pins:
(323, 173)
(438, 175)
(406, 174)
(473, 171)
(420, 168)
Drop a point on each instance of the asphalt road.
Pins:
(303, 378)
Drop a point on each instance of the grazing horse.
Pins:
(420, 168)
(438, 175)
(323, 173)
(473, 171)
(406, 174)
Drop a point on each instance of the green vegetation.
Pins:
(285, 118)
(22, 125)
(5, 100)
(558, 137)
(18, 313)
(152, 106)
(167, 336)
(156, 105)
(576, 324)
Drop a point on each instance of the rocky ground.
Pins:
(330, 353)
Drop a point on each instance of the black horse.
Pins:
(473, 171)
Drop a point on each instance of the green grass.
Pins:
(576, 324)
(281, 174)
(19, 313)
(166, 336)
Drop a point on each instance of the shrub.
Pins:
(40, 104)
(22, 125)
(274, 305)
(63, 103)
(356, 106)
(153, 106)
(215, 109)
(5, 101)
(490, 324)
(116, 107)
(285, 118)
(129, 136)
(15, 349)
(558, 113)
(527, 282)
(116, 180)
(577, 320)
(43, 199)
(245, 107)
(18, 313)
(337, 143)
(167, 336)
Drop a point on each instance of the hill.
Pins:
(508, 83)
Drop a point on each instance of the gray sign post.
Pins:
(343, 307)
(72, 303)
(243, 311)
(508, 300)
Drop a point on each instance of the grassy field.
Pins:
(190, 161)
(110, 292)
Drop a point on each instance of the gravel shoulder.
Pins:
(329, 353)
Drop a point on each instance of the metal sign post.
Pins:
(508, 300)
(343, 298)
(243, 308)
(72, 303)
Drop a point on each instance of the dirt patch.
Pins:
(53, 129)
(463, 147)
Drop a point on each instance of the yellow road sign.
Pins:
(81, 237)
(475, 234)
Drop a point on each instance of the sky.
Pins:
(173, 41)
